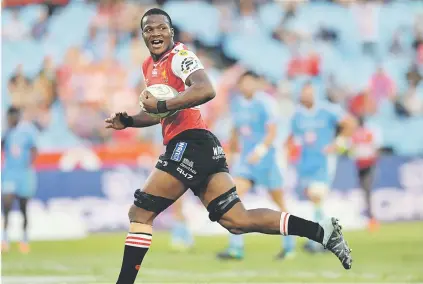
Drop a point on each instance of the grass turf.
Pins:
(393, 254)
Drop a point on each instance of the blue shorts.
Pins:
(21, 184)
(266, 173)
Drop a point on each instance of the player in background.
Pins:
(194, 158)
(18, 176)
(366, 142)
(182, 239)
(314, 126)
(255, 118)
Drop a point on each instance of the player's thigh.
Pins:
(7, 201)
(159, 192)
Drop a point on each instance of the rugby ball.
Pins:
(161, 92)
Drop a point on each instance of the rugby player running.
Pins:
(194, 157)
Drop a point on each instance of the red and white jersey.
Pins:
(366, 143)
(173, 69)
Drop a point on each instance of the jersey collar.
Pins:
(166, 53)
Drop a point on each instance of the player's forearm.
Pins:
(144, 120)
(270, 135)
(195, 95)
(267, 142)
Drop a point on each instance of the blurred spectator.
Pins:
(68, 86)
(92, 133)
(413, 75)
(418, 32)
(382, 86)
(362, 105)
(15, 29)
(247, 21)
(304, 65)
(138, 50)
(91, 43)
(40, 27)
(45, 83)
(286, 31)
(396, 47)
(335, 92)
(366, 14)
(19, 88)
(411, 101)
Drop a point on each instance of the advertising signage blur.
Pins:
(16, 3)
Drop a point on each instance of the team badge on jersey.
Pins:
(178, 151)
(188, 64)
(164, 76)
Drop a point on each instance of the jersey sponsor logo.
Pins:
(218, 153)
(188, 162)
(186, 175)
(154, 73)
(183, 53)
(178, 151)
(189, 64)
(188, 165)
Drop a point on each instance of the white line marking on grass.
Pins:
(47, 279)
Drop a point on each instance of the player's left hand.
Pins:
(254, 158)
(149, 102)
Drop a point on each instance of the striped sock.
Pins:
(293, 225)
(136, 246)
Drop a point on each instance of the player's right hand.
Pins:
(115, 122)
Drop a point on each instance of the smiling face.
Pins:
(157, 34)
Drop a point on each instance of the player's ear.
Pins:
(172, 32)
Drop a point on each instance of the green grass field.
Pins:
(393, 254)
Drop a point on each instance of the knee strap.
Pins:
(222, 204)
(146, 201)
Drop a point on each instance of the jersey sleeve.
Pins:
(184, 63)
(270, 108)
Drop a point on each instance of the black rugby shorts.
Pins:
(192, 157)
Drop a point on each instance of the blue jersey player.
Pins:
(18, 176)
(314, 128)
(254, 133)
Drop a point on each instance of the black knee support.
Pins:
(146, 201)
(222, 204)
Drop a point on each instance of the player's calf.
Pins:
(141, 215)
(228, 210)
